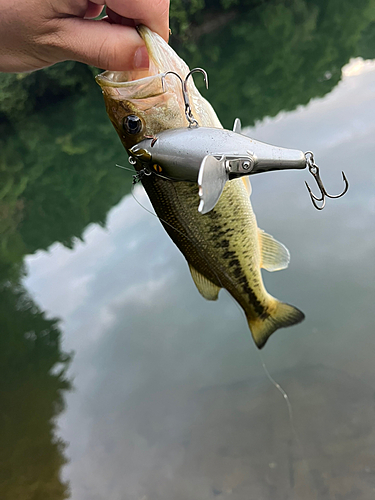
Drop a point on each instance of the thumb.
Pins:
(99, 43)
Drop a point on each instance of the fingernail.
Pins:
(141, 60)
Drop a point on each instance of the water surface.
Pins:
(170, 397)
(165, 396)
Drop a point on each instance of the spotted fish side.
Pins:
(222, 249)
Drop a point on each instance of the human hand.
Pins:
(39, 33)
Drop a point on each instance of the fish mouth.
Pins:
(140, 84)
(152, 91)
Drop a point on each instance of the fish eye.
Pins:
(132, 124)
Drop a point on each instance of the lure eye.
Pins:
(132, 124)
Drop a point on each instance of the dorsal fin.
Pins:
(206, 288)
(237, 126)
(274, 255)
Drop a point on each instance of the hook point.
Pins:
(314, 170)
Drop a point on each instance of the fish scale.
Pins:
(199, 237)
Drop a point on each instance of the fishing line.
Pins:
(125, 168)
(278, 387)
(135, 181)
(285, 396)
(147, 210)
(175, 229)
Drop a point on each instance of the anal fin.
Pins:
(274, 255)
(206, 288)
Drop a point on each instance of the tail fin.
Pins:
(280, 316)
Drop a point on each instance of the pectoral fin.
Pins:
(212, 177)
(206, 288)
(274, 255)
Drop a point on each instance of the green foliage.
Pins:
(279, 55)
(57, 175)
(22, 93)
(366, 45)
(182, 13)
(31, 397)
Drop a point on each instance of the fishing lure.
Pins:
(212, 156)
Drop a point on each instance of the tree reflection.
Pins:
(57, 175)
(281, 55)
(32, 385)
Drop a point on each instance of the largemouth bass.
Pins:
(224, 248)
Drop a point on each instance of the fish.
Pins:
(223, 248)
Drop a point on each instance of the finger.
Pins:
(93, 10)
(99, 43)
(153, 13)
(117, 19)
(113, 17)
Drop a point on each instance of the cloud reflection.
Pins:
(157, 368)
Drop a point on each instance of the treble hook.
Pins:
(188, 112)
(314, 170)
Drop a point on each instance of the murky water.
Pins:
(168, 398)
